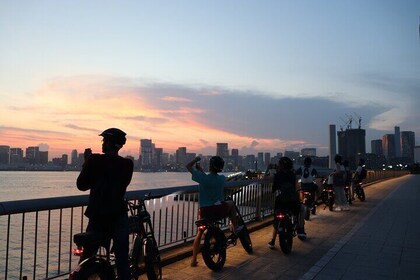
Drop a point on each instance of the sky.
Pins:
(263, 76)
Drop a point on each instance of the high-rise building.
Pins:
(65, 159)
(158, 158)
(43, 157)
(4, 154)
(332, 145)
(308, 152)
(181, 157)
(16, 155)
(235, 159)
(388, 146)
(146, 153)
(260, 161)
(397, 139)
(32, 155)
(417, 154)
(408, 140)
(376, 147)
(267, 160)
(250, 161)
(292, 155)
(222, 150)
(74, 157)
(352, 144)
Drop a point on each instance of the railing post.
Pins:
(259, 202)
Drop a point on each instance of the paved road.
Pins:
(377, 239)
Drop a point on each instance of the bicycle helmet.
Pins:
(217, 163)
(307, 161)
(115, 136)
(287, 163)
(338, 158)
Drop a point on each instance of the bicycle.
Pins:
(144, 248)
(287, 226)
(327, 195)
(216, 242)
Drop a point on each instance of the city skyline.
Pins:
(262, 76)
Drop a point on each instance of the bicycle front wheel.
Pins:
(152, 260)
(245, 240)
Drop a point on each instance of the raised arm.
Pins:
(190, 165)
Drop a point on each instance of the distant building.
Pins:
(311, 152)
(222, 150)
(332, 145)
(32, 155)
(417, 154)
(181, 157)
(16, 156)
(388, 146)
(267, 160)
(292, 155)
(74, 158)
(4, 154)
(250, 161)
(397, 140)
(408, 140)
(351, 144)
(43, 157)
(376, 147)
(146, 152)
(260, 161)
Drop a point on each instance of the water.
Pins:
(19, 185)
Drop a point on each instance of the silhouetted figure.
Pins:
(107, 176)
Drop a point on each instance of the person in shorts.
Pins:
(211, 196)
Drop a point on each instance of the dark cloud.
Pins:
(255, 114)
(76, 127)
(147, 119)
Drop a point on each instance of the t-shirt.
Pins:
(307, 174)
(211, 187)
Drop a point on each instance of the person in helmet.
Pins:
(284, 186)
(211, 197)
(307, 174)
(107, 177)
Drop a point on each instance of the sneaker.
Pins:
(338, 209)
(271, 244)
(346, 208)
(302, 236)
(238, 229)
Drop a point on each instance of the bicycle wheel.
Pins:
(361, 195)
(96, 270)
(245, 240)
(285, 237)
(214, 250)
(152, 260)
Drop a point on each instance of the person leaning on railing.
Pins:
(107, 176)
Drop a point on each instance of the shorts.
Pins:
(214, 211)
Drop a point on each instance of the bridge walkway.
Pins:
(376, 239)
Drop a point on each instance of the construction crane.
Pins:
(359, 119)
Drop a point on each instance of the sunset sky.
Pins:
(261, 75)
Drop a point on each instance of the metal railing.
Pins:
(36, 235)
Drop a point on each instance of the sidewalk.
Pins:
(377, 239)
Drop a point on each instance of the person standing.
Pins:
(107, 176)
(339, 180)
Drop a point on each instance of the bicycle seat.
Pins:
(89, 238)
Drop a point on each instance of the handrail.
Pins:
(42, 204)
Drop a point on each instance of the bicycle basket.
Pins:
(133, 224)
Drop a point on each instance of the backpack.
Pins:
(363, 174)
(306, 175)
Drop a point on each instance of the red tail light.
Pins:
(202, 228)
(280, 216)
(78, 251)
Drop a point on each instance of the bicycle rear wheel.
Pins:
(152, 260)
(214, 250)
(95, 270)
